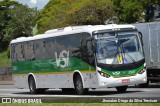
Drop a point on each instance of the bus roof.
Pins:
(70, 30)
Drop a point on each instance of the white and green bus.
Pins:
(79, 58)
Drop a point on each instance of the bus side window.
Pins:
(62, 44)
(39, 50)
(29, 54)
(19, 52)
(23, 51)
(50, 47)
(13, 53)
(74, 47)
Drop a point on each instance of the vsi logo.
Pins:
(116, 73)
(62, 59)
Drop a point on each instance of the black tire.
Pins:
(78, 84)
(32, 85)
(121, 89)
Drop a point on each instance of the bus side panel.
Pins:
(90, 80)
(16, 81)
(54, 80)
(64, 80)
(21, 81)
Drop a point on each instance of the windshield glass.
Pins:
(118, 48)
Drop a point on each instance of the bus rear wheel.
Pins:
(32, 87)
(78, 84)
(121, 89)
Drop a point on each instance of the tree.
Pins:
(62, 13)
(22, 22)
(128, 11)
(91, 12)
(131, 11)
(5, 17)
(148, 8)
(16, 20)
(53, 15)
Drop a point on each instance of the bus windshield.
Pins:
(118, 48)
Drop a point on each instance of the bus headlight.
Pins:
(142, 71)
(103, 74)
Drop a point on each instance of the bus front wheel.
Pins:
(78, 84)
(121, 89)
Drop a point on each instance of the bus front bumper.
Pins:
(122, 81)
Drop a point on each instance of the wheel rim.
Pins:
(79, 85)
(31, 85)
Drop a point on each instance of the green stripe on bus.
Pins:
(49, 66)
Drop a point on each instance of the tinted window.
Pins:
(19, 52)
(50, 47)
(39, 49)
(29, 50)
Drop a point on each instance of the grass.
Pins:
(85, 104)
(4, 60)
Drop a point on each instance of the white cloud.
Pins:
(33, 1)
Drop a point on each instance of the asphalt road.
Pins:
(153, 91)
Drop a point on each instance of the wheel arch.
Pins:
(32, 75)
(77, 72)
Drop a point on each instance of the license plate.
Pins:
(126, 81)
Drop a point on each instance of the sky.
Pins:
(34, 3)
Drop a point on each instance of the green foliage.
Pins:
(22, 22)
(4, 60)
(90, 12)
(5, 17)
(52, 15)
(131, 11)
(61, 13)
(16, 20)
(146, 7)
(8, 52)
(128, 11)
